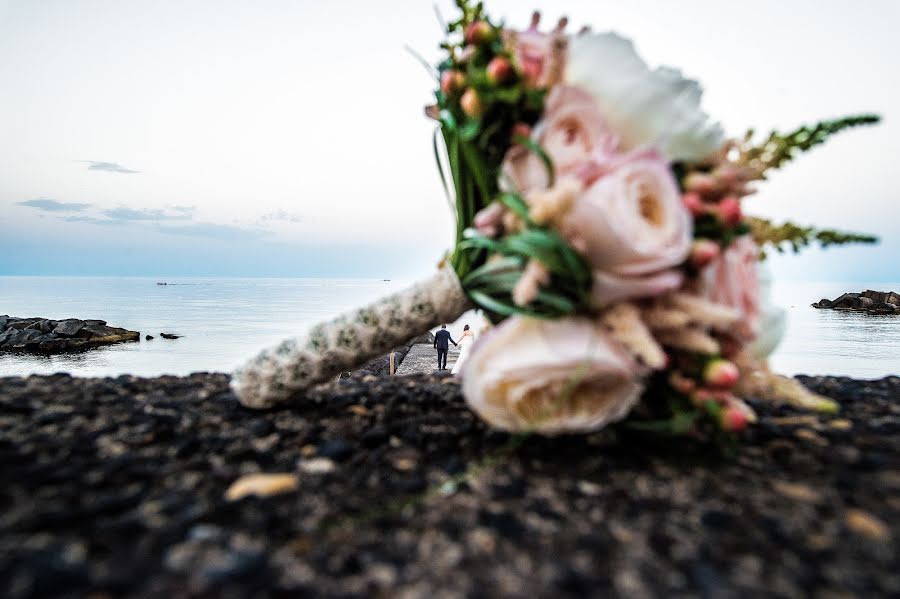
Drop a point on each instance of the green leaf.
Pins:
(470, 130)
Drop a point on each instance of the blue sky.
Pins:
(287, 138)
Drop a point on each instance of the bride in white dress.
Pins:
(465, 345)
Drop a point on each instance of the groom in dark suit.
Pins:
(441, 339)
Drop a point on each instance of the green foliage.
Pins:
(796, 237)
(491, 284)
(779, 148)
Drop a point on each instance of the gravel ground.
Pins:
(116, 487)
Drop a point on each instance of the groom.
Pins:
(440, 343)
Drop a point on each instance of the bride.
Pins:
(464, 344)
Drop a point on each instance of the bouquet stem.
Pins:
(277, 374)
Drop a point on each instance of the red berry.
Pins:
(721, 374)
(452, 82)
(499, 70)
(478, 33)
(703, 252)
(733, 419)
(471, 103)
(521, 130)
(729, 210)
(694, 203)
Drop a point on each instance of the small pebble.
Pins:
(316, 466)
(841, 424)
(812, 436)
(261, 485)
(865, 524)
(796, 491)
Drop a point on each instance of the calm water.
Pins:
(224, 321)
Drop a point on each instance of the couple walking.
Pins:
(442, 341)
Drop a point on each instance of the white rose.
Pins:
(645, 107)
(773, 320)
(556, 376)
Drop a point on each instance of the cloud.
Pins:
(184, 209)
(54, 205)
(108, 167)
(92, 220)
(281, 215)
(123, 213)
(213, 231)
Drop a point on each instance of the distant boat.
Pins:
(162, 283)
(385, 280)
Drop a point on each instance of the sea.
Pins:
(223, 322)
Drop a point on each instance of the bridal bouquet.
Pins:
(600, 225)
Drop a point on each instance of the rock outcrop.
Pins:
(46, 336)
(871, 302)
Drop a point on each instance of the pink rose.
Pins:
(633, 229)
(574, 135)
(732, 279)
(550, 376)
(539, 56)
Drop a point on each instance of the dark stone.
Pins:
(169, 336)
(53, 346)
(336, 449)
(99, 330)
(149, 337)
(21, 340)
(47, 336)
(869, 301)
(69, 327)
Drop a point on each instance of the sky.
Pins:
(286, 137)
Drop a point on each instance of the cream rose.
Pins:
(552, 377)
(732, 279)
(645, 107)
(573, 133)
(633, 229)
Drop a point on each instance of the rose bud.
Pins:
(452, 82)
(478, 33)
(733, 419)
(471, 103)
(729, 210)
(721, 374)
(499, 70)
(703, 251)
(681, 383)
(701, 396)
(694, 203)
(701, 183)
(521, 130)
(727, 176)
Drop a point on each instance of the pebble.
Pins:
(865, 524)
(316, 466)
(796, 491)
(261, 485)
(812, 436)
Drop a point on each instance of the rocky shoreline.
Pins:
(47, 336)
(117, 487)
(870, 302)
